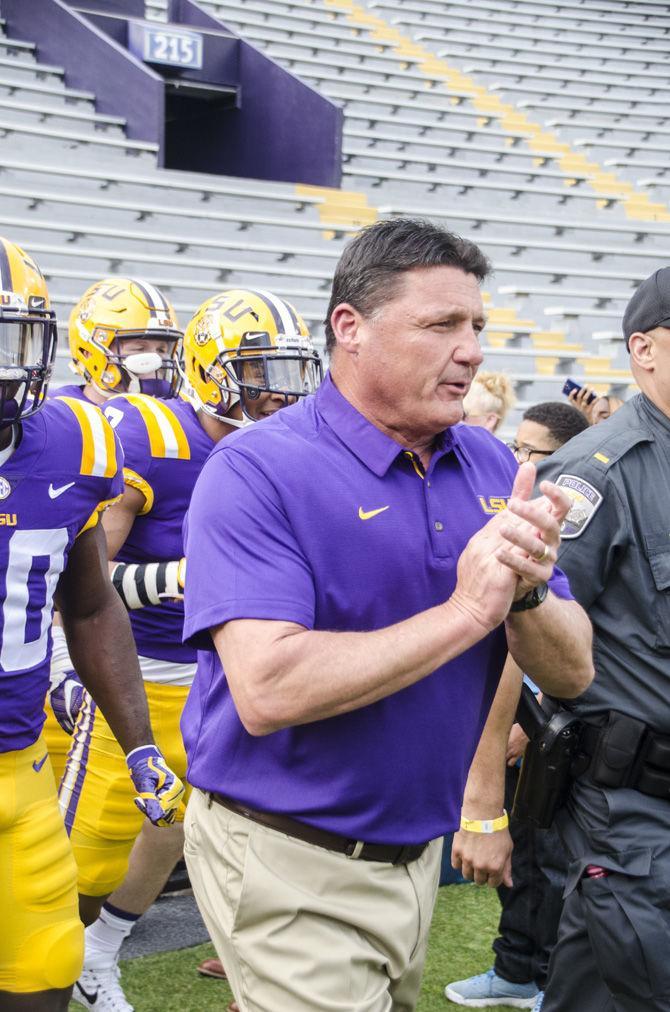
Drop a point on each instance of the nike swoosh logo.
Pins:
(368, 514)
(37, 766)
(90, 998)
(55, 492)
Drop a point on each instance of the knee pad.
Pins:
(51, 957)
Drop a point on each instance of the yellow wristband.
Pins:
(485, 825)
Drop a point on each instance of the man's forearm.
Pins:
(103, 652)
(552, 644)
(281, 674)
(486, 857)
(485, 787)
(315, 675)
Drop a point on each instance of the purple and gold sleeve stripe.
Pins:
(166, 434)
(98, 452)
(136, 480)
(97, 513)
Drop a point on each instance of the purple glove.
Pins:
(66, 697)
(159, 790)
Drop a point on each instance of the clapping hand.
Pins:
(514, 552)
(532, 530)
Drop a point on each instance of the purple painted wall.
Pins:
(127, 8)
(284, 128)
(93, 62)
(220, 51)
(295, 130)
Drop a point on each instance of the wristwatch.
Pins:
(532, 599)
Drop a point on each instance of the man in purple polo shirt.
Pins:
(350, 578)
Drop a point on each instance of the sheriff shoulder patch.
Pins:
(585, 501)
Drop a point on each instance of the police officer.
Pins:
(614, 935)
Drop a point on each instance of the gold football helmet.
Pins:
(109, 328)
(27, 335)
(242, 343)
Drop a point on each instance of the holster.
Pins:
(622, 752)
(547, 768)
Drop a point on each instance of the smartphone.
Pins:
(570, 385)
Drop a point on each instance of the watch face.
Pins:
(532, 599)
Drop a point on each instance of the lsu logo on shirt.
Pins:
(493, 503)
(7, 519)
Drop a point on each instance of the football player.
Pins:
(246, 354)
(60, 467)
(124, 338)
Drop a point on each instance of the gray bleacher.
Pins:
(595, 82)
(593, 79)
(567, 254)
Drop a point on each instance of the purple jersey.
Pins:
(75, 390)
(165, 447)
(67, 467)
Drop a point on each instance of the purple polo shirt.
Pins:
(314, 516)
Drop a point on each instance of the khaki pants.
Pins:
(301, 929)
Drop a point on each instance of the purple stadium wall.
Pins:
(282, 128)
(123, 85)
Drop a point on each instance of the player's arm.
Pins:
(487, 857)
(144, 583)
(102, 648)
(117, 521)
(66, 690)
(100, 641)
(130, 581)
(138, 583)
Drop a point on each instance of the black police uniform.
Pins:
(531, 907)
(613, 951)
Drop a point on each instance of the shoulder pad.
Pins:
(160, 424)
(96, 440)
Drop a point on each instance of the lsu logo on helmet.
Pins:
(124, 337)
(242, 343)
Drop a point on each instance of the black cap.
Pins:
(649, 306)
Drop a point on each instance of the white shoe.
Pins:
(101, 990)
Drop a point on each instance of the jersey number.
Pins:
(36, 560)
(113, 415)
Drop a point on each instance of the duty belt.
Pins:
(626, 752)
(355, 849)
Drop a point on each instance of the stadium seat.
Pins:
(420, 137)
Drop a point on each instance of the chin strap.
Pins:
(236, 422)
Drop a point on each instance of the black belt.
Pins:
(356, 849)
(625, 752)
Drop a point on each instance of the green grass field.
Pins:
(464, 925)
